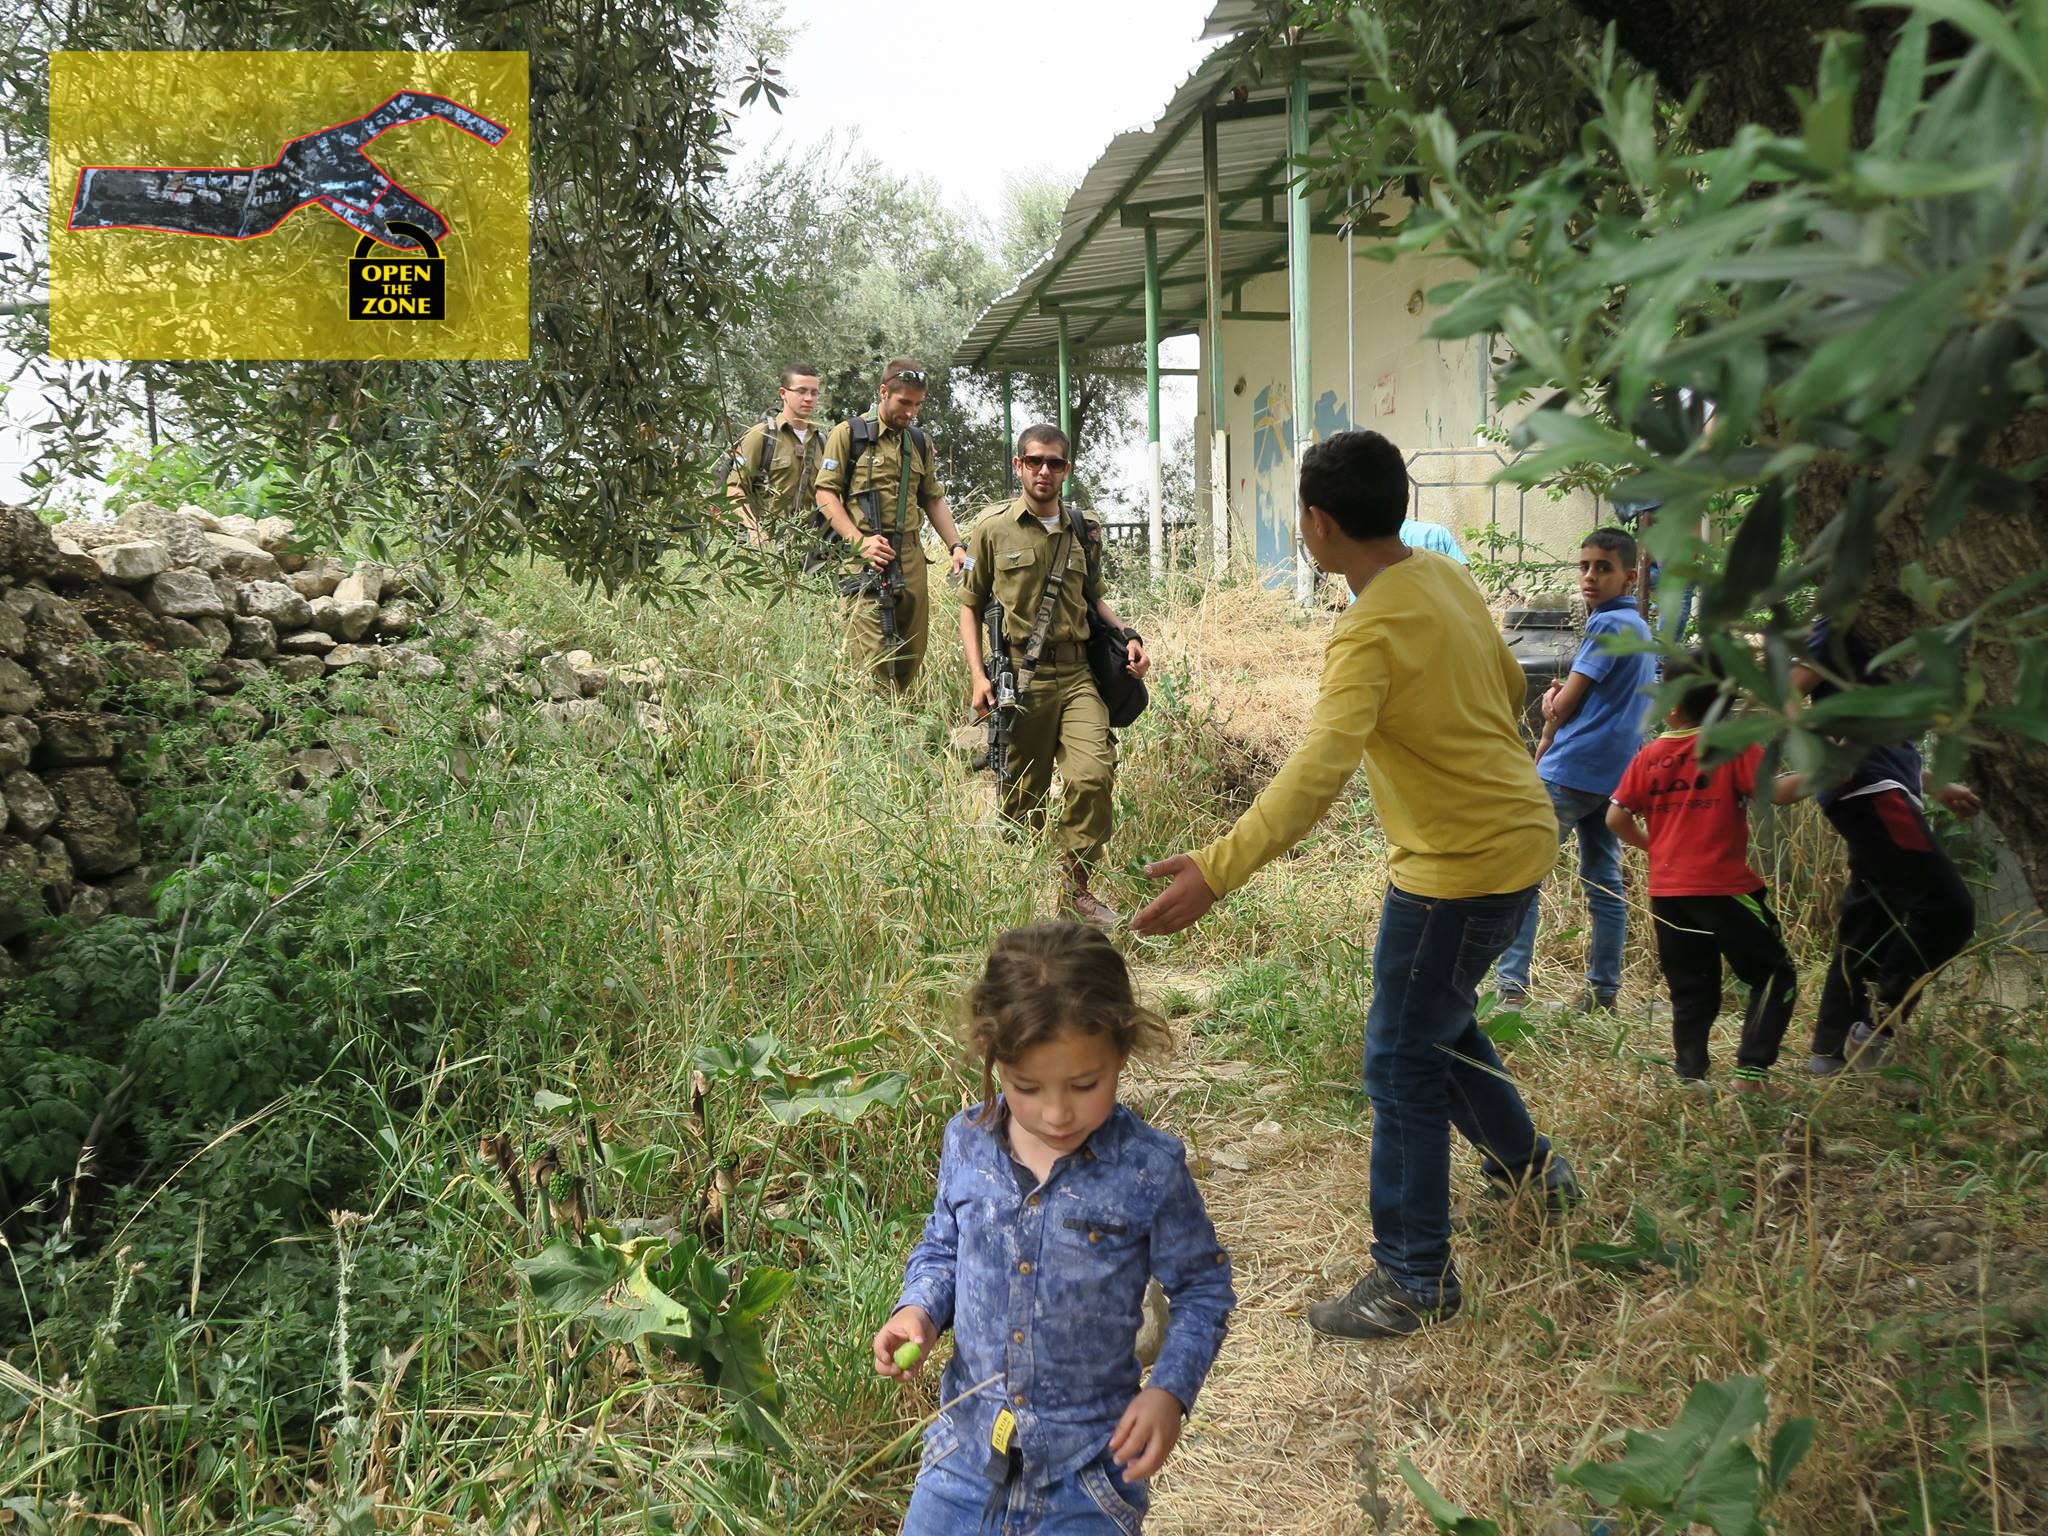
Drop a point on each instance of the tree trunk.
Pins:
(1992, 549)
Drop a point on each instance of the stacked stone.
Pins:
(83, 603)
(568, 689)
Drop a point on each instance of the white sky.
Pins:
(968, 95)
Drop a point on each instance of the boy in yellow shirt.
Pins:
(1418, 683)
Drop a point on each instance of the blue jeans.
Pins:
(951, 1494)
(1672, 627)
(1600, 874)
(1428, 1067)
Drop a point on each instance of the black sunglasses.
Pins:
(1036, 461)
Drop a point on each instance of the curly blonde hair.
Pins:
(1051, 980)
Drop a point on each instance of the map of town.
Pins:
(328, 168)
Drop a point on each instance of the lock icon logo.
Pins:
(400, 285)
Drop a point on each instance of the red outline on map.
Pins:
(320, 202)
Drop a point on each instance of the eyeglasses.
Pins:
(1038, 461)
(906, 376)
(812, 393)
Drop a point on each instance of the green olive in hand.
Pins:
(908, 1353)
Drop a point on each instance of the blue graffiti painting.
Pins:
(1272, 487)
(1331, 416)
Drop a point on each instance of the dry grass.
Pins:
(1848, 1244)
(1299, 1434)
(1252, 660)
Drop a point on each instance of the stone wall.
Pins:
(173, 596)
(205, 605)
(182, 597)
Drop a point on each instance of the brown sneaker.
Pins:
(1083, 905)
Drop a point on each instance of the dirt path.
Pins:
(1274, 1445)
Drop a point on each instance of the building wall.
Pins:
(1381, 372)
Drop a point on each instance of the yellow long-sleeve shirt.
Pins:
(1419, 684)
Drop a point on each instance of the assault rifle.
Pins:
(1002, 714)
(884, 585)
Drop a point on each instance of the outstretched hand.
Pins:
(1961, 799)
(1187, 900)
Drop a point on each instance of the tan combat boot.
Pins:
(1083, 905)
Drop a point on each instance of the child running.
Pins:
(1055, 1205)
(1906, 911)
(1706, 903)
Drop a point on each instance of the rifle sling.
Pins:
(1048, 600)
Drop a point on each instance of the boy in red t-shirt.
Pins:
(1706, 904)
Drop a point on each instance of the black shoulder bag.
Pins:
(1108, 648)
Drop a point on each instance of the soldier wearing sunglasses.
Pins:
(1062, 721)
(876, 488)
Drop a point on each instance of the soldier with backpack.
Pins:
(776, 461)
(877, 485)
(1040, 565)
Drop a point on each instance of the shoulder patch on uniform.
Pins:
(829, 464)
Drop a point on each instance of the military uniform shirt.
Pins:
(880, 470)
(1012, 554)
(792, 468)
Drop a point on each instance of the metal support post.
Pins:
(1009, 440)
(1066, 384)
(1219, 387)
(1156, 524)
(1299, 257)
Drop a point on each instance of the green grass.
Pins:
(482, 927)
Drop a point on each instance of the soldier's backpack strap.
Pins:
(767, 454)
(915, 446)
(1091, 547)
(861, 435)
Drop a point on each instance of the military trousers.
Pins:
(863, 615)
(1063, 723)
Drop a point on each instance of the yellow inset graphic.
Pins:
(208, 205)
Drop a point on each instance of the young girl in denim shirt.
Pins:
(1055, 1206)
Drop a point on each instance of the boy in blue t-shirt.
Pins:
(1592, 729)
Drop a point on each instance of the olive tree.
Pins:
(598, 448)
(1861, 291)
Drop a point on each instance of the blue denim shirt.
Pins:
(1044, 1284)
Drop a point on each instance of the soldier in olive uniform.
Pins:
(894, 490)
(1061, 719)
(776, 462)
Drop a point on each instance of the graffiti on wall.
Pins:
(1272, 485)
(1273, 474)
